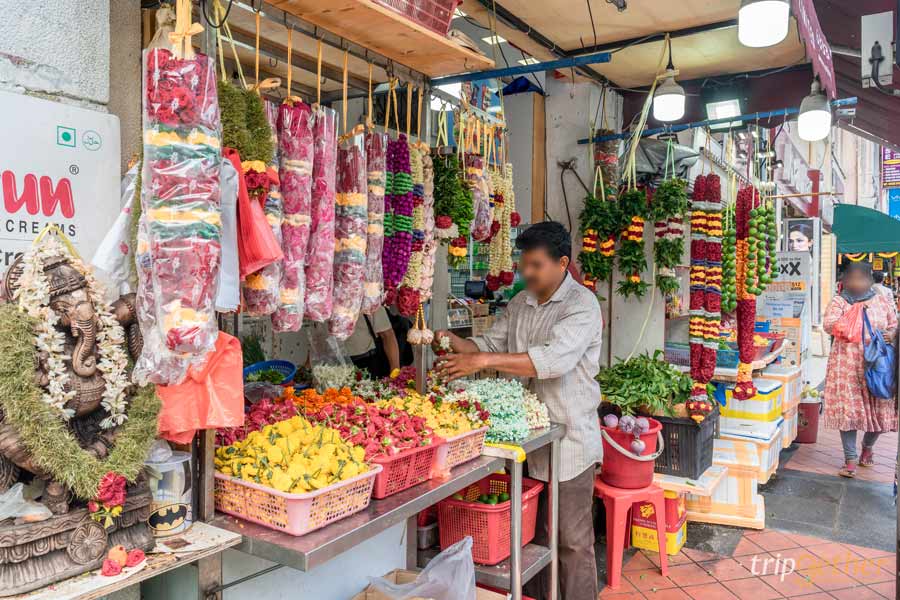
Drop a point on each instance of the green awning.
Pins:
(860, 229)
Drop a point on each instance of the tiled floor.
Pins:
(756, 571)
(826, 456)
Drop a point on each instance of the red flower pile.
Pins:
(110, 499)
(380, 431)
(265, 412)
(747, 199)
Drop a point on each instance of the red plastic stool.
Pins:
(617, 502)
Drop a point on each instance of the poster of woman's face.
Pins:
(801, 235)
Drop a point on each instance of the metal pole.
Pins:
(549, 65)
(553, 515)
(760, 116)
(421, 369)
(515, 530)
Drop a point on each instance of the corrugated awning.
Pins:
(860, 229)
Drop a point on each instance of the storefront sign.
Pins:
(786, 304)
(817, 49)
(890, 168)
(58, 164)
(893, 196)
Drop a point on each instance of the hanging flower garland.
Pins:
(761, 259)
(668, 207)
(747, 199)
(33, 297)
(398, 216)
(631, 252)
(601, 220)
(426, 282)
(729, 272)
(452, 199)
(705, 290)
(500, 250)
(408, 293)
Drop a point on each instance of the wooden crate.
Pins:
(767, 437)
(791, 382)
(735, 500)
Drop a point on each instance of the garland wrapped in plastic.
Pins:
(631, 252)
(376, 149)
(452, 200)
(500, 266)
(295, 150)
(408, 292)
(398, 214)
(479, 182)
(350, 233)
(705, 290)
(747, 199)
(261, 288)
(668, 207)
(320, 254)
(180, 225)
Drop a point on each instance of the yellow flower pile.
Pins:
(446, 417)
(292, 456)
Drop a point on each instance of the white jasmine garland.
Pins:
(33, 297)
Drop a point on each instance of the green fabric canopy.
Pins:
(860, 229)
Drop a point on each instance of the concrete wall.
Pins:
(125, 73)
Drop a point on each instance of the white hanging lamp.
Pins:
(763, 23)
(668, 99)
(814, 122)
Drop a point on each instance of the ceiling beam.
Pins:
(653, 37)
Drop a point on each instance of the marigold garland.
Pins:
(632, 261)
(747, 199)
(45, 435)
(706, 290)
(601, 221)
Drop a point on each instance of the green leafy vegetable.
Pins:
(644, 383)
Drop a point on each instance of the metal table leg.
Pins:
(553, 516)
(515, 557)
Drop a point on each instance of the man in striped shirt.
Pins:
(550, 336)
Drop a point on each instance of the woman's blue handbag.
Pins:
(881, 362)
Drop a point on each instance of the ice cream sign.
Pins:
(58, 164)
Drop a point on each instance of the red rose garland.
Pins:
(705, 285)
(747, 199)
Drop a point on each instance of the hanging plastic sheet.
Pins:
(376, 151)
(320, 254)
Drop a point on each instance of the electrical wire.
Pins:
(591, 15)
(875, 61)
(206, 14)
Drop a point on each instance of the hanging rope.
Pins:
(419, 116)
(319, 72)
(408, 107)
(344, 97)
(184, 30)
(290, 55)
(369, 122)
(642, 122)
(256, 58)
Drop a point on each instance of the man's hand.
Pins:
(457, 344)
(455, 366)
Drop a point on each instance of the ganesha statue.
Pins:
(74, 427)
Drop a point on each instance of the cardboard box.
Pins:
(401, 576)
(645, 538)
(643, 524)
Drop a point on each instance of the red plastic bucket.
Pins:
(622, 468)
(807, 422)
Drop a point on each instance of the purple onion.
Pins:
(626, 424)
(611, 421)
(638, 446)
(644, 423)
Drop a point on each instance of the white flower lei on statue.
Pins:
(33, 297)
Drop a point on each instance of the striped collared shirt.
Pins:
(562, 337)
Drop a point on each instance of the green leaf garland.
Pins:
(244, 124)
(452, 197)
(48, 439)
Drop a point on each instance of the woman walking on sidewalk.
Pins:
(849, 406)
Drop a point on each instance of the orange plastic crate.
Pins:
(294, 514)
(406, 469)
(487, 524)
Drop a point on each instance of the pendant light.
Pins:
(668, 100)
(814, 122)
(763, 23)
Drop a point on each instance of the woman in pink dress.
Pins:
(849, 406)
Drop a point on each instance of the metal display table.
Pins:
(315, 548)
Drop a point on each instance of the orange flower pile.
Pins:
(310, 401)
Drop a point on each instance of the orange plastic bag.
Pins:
(257, 246)
(209, 397)
(849, 327)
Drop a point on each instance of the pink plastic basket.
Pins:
(462, 448)
(487, 524)
(294, 514)
(431, 14)
(406, 469)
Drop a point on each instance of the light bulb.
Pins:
(814, 122)
(668, 101)
(763, 23)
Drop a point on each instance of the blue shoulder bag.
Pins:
(881, 363)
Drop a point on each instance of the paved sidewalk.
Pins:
(821, 569)
(826, 456)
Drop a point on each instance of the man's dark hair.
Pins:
(549, 235)
(878, 276)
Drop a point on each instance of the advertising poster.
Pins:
(805, 235)
(786, 304)
(59, 165)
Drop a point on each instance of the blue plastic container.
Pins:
(286, 368)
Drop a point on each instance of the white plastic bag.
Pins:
(449, 576)
(228, 290)
(14, 504)
(114, 254)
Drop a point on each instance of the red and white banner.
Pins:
(817, 49)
